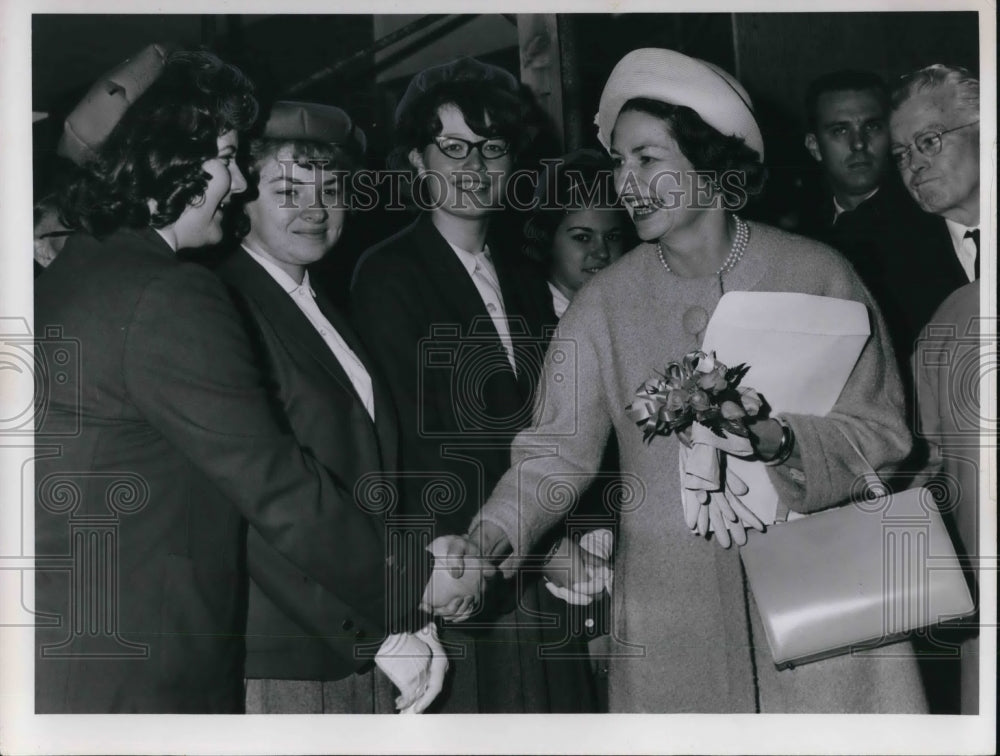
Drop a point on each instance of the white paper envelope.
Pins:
(801, 349)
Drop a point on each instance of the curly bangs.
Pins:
(157, 150)
(709, 151)
(477, 101)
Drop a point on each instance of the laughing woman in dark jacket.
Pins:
(165, 450)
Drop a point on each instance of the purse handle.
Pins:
(873, 483)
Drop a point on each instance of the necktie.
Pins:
(494, 303)
(973, 233)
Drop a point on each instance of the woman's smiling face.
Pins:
(468, 187)
(299, 212)
(200, 224)
(656, 182)
(586, 241)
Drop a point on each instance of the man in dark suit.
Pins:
(935, 144)
(898, 250)
(934, 128)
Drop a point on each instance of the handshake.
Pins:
(458, 581)
(416, 663)
(577, 572)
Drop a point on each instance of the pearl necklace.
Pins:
(735, 253)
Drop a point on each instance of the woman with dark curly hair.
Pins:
(687, 152)
(169, 452)
(169, 157)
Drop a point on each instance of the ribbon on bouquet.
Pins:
(701, 400)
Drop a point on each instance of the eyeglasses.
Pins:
(459, 149)
(927, 143)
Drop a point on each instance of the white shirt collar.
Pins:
(837, 209)
(965, 249)
(468, 259)
(284, 280)
(958, 231)
(560, 302)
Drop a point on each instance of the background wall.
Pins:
(363, 63)
(775, 55)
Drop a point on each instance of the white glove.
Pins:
(719, 509)
(415, 663)
(598, 575)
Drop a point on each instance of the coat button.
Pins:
(347, 624)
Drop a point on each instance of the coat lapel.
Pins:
(255, 282)
(449, 275)
(452, 280)
(385, 414)
(953, 267)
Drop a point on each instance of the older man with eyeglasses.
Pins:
(935, 145)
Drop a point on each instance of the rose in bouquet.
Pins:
(698, 389)
(700, 399)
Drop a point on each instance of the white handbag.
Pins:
(856, 577)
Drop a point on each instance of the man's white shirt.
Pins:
(965, 248)
(838, 210)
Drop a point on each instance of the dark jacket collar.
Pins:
(242, 273)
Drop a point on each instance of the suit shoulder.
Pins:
(119, 269)
(183, 288)
(241, 275)
(391, 255)
(960, 307)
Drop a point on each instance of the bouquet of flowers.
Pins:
(701, 400)
(699, 389)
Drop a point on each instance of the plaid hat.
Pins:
(309, 120)
(100, 110)
(676, 79)
(458, 70)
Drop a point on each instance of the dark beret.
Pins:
(458, 70)
(314, 122)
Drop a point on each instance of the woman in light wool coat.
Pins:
(682, 601)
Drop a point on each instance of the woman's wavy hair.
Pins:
(733, 167)
(157, 150)
(579, 180)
